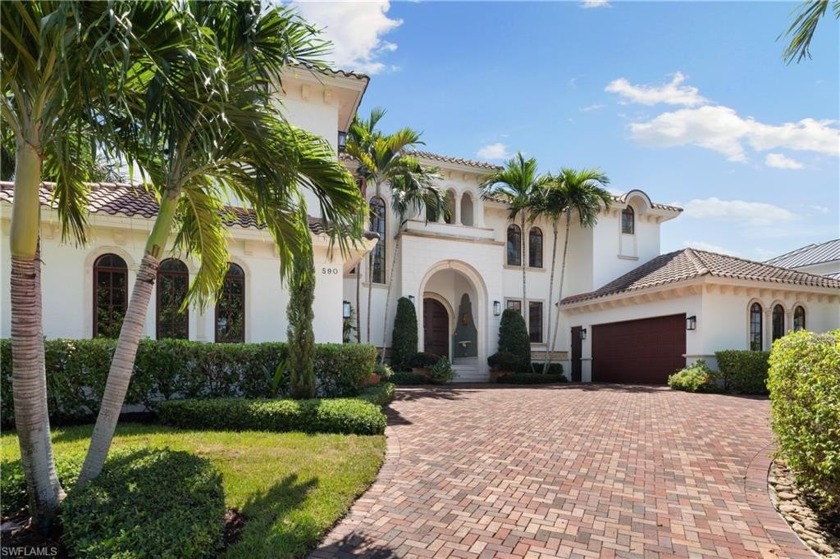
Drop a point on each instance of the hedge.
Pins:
(13, 484)
(346, 415)
(804, 385)
(743, 371)
(382, 394)
(410, 379)
(694, 378)
(531, 378)
(175, 369)
(147, 504)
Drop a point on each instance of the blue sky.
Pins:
(690, 102)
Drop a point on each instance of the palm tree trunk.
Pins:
(388, 295)
(369, 298)
(122, 365)
(562, 274)
(359, 302)
(29, 380)
(525, 307)
(550, 342)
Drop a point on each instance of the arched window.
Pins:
(535, 248)
(110, 295)
(230, 308)
(798, 318)
(756, 329)
(628, 221)
(173, 282)
(514, 246)
(449, 216)
(377, 255)
(467, 210)
(778, 322)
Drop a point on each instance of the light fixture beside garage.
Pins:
(346, 309)
(691, 323)
(497, 308)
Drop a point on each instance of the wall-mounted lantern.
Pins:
(691, 323)
(342, 141)
(411, 298)
(583, 333)
(497, 308)
(346, 309)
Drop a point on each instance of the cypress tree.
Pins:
(404, 337)
(513, 338)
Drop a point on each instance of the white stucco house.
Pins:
(629, 313)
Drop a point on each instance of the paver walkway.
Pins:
(572, 471)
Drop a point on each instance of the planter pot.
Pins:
(420, 371)
(373, 380)
(496, 375)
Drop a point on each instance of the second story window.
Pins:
(628, 221)
(514, 246)
(535, 248)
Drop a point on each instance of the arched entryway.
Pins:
(435, 327)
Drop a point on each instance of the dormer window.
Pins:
(628, 221)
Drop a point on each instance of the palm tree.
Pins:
(61, 64)
(518, 184)
(223, 135)
(412, 191)
(382, 159)
(801, 31)
(571, 191)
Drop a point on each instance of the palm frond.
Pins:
(801, 31)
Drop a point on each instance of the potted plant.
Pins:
(421, 362)
(381, 372)
(503, 363)
(441, 372)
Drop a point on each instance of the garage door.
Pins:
(638, 351)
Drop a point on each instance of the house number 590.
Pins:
(329, 271)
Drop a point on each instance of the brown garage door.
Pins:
(638, 351)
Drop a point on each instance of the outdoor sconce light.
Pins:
(583, 333)
(411, 298)
(346, 309)
(342, 141)
(691, 323)
(497, 308)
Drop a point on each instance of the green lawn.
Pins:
(292, 487)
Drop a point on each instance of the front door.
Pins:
(577, 347)
(435, 328)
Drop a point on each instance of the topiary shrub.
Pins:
(804, 384)
(346, 416)
(504, 361)
(553, 368)
(13, 484)
(404, 337)
(423, 360)
(147, 503)
(743, 371)
(532, 378)
(410, 379)
(694, 378)
(441, 372)
(513, 339)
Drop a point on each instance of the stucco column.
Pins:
(457, 205)
(767, 333)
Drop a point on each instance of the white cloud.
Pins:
(752, 214)
(595, 4)
(672, 93)
(703, 245)
(355, 30)
(780, 161)
(594, 107)
(494, 151)
(721, 129)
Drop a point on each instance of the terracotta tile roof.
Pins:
(501, 200)
(456, 160)
(130, 201)
(335, 72)
(817, 253)
(691, 263)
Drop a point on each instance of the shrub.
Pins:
(384, 371)
(13, 485)
(441, 372)
(381, 395)
(531, 378)
(694, 378)
(804, 388)
(553, 368)
(424, 360)
(345, 416)
(173, 369)
(504, 361)
(409, 379)
(147, 503)
(743, 371)
(513, 339)
(404, 336)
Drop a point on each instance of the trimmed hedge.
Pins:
(695, 378)
(145, 504)
(13, 484)
(743, 371)
(531, 378)
(174, 369)
(381, 394)
(410, 379)
(346, 416)
(404, 335)
(554, 368)
(804, 385)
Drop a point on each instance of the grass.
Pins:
(292, 487)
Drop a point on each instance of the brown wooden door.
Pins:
(638, 351)
(577, 347)
(435, 328)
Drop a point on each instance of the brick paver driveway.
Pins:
(586, 471)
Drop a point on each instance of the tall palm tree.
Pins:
(61, 63)
(571, 191)
(225, 136)
(518, 184)
(412, 191)
(801, 31)
(382, 159)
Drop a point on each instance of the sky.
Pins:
(690, 102)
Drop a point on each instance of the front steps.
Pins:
(467, 370)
